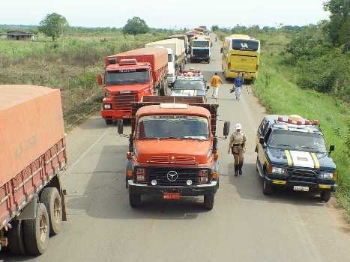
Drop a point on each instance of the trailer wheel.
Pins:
(36, 232)
(15, 238)
(208, 201)
(134, 200)
(53, 203)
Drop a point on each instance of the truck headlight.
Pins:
(107, 106)
(278, 170)
(327, 176)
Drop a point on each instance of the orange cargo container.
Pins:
(32, 151)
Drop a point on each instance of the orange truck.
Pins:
(32, 153)
(129, 76)
(173, 149)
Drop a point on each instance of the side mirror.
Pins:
(226, 130)
(99, 79)
(261, 140)
(221, 50)
(120, 126)
(331, 148)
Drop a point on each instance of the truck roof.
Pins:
(178, 109)
(11, 95)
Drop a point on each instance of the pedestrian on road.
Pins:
(239, 81)
(215, 83)
(237, 147)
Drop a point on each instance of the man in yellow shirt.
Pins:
(215, 82)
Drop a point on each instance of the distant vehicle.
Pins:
(129, 76)
(173, 149)
(200, 49)
(240, 53)
(189, 84)
(291, 153)
(185, 39)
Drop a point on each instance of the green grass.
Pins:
(280, 95)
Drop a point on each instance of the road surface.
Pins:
(244, 225)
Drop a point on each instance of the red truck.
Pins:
(32, 153)
(129, 76)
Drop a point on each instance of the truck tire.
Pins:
(208, 60)
(36, 232)
(15, 238)
(326, 196)
(108, 122)
(53, 203)
(134, 200)
(267, 188)
(208, 201)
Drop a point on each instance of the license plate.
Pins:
(171, 196)
(301, 188)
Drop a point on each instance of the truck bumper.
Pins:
(197, 190)
(116, 114)
(313, 187)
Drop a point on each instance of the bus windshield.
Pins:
(245, 45)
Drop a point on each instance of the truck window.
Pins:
(245, 45)
(172, 126)
(200, 44)
(127, 76)
(297, 141)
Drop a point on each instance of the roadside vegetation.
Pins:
(306, 71)
(69, 63)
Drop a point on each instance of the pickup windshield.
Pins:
(200, 44)
(245, 45)
(127, 77)
(184, 84)
(297, 141)
(172, 126)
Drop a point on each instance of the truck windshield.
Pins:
(127, 77)
(172, 126)
(200, 44)
(297, 141)
(245, 45)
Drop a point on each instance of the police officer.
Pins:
(237, 147)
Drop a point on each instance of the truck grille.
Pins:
(201, 52)
(184, 174)
(124, 100)
(302, 175)
(185, 160)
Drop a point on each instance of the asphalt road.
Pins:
(244, 225)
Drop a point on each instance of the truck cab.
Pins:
(291, 153)
(173, 150)
(200, 50)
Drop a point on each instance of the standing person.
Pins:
(215, 82)
(237, 147)
(239, 80)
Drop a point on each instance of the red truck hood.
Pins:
(174, 151)
(133, 88)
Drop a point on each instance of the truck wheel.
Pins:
(109, 122)
(209, 201)
(134, 200)
(326, 196)
(15, 238)
(267, 188)
(36, 232)
(53, 203)
(208, 60)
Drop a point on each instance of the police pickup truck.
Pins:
(291, 153)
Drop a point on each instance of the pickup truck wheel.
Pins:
(53, 203)
(267, 188)
(36, 232)
(15, 238)
(326, 196)
(134, 200)
(209, 201)
(108, 122)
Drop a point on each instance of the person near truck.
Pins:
(237, 147)
(215, 83)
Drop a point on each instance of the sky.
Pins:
(166, 14)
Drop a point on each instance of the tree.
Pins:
(53, 25)
(135, 26)
(215, 28)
